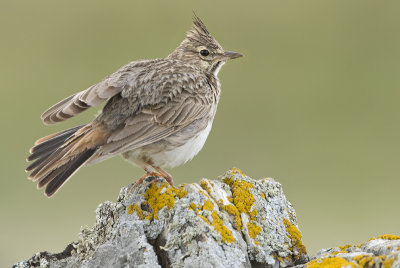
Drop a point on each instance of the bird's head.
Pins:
(202, 50)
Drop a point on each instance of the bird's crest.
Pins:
(200, 35)
(199, 26)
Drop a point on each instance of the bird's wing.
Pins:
(96, 94)
(157, 121)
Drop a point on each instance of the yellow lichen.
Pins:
(295, 237)
(236, 170)
(242, 198)
(135, 207)
(208, 205)
(253, 214)
(205, 194)
(217, 223)
(232, 210)
(180, 193)
(371, 261)
(387, 263)
(228, 181)
(386, 237)
(243, 201)
(205, 186)
(192, 206)
(334, 262)
(364, 260)
(221, 229)
(254, 230)
(342, 248)
(163, 196)
(204, 219)
(262, 195)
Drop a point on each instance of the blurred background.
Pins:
(313, 104)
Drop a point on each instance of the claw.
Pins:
(141, 179)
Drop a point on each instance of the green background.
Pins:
(313, 104)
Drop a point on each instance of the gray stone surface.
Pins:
(382, 251)
(234, 221)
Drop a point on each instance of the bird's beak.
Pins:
(229, 55)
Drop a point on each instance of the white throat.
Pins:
(216, 71)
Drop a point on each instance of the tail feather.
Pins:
(38, 161)
(58, 156)
(57, 138)
(66, 172)
(46, 179)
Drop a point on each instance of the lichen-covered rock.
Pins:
(382, 251)
(234, 221)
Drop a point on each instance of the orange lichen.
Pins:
(135, 207)
(163, 196)
(330, 263)
(295, 237)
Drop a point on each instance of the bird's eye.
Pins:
(204, 52)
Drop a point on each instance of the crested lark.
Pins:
(158, 114)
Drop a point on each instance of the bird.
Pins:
(157, 114)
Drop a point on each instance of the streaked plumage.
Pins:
(158, 114)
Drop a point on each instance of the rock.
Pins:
(382, 251)
(234, 221)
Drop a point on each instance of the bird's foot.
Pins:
(155, 175)
(165, 175)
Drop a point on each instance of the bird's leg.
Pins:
(165, 174)
(141, 179)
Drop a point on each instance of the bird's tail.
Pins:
(58, 156)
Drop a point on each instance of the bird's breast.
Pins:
(172, 151)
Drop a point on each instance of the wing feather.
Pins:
(158, 121)
(94, 95)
